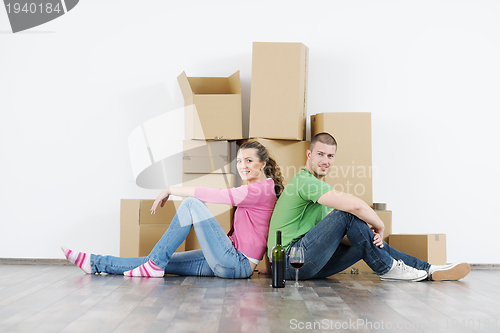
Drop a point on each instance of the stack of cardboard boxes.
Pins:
(278, 109)
(213, 116)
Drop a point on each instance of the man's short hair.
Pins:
(323, 137)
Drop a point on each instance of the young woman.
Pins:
(234, 255)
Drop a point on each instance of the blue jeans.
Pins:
(325, 255)
(217, 256)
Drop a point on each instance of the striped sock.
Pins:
(148, 269)
(80, 259)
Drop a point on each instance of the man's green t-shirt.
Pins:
(297, 210)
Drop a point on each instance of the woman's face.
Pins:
(250, 168)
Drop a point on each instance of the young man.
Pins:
(311, 213)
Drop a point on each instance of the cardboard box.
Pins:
(213, 107)
(222, 213)
(361, 266)
(140, 230)
(206, 156)
(352, 171)
(426, 247)
(290, 155)
(278, 94)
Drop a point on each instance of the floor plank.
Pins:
(63, 299)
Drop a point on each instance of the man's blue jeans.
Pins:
(217, 256)
(325, 255)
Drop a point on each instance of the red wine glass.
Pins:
(296, 257)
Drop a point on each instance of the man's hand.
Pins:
(378, 239)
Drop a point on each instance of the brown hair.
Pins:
(272, 169)
(323, 137)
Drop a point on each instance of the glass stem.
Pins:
(296, 276)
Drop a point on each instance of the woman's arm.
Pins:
(176, 190)
(182, 191)
(235, 196)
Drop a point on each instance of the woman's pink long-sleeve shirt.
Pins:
(255, 204)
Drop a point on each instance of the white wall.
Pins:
(72, 90)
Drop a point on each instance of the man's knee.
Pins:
(340, 214)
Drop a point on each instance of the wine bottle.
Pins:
(279, 262)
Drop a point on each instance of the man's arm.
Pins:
(357, 207)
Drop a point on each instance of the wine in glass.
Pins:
(296, 257)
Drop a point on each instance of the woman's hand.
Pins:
(267, 270)
(264, 271)
(160, 200)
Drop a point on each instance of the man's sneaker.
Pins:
(450, 272)
(402, 272)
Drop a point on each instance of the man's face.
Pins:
(320, 159)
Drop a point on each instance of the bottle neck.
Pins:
(278, 238)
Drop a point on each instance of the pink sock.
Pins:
(80, 259)
(148, 269)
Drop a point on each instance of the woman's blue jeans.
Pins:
(325, 255)
(217, 256)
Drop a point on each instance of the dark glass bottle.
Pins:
(279, 262)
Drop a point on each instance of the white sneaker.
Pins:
(402, 272)
(450, 272)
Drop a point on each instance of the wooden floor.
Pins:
(38, 298)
